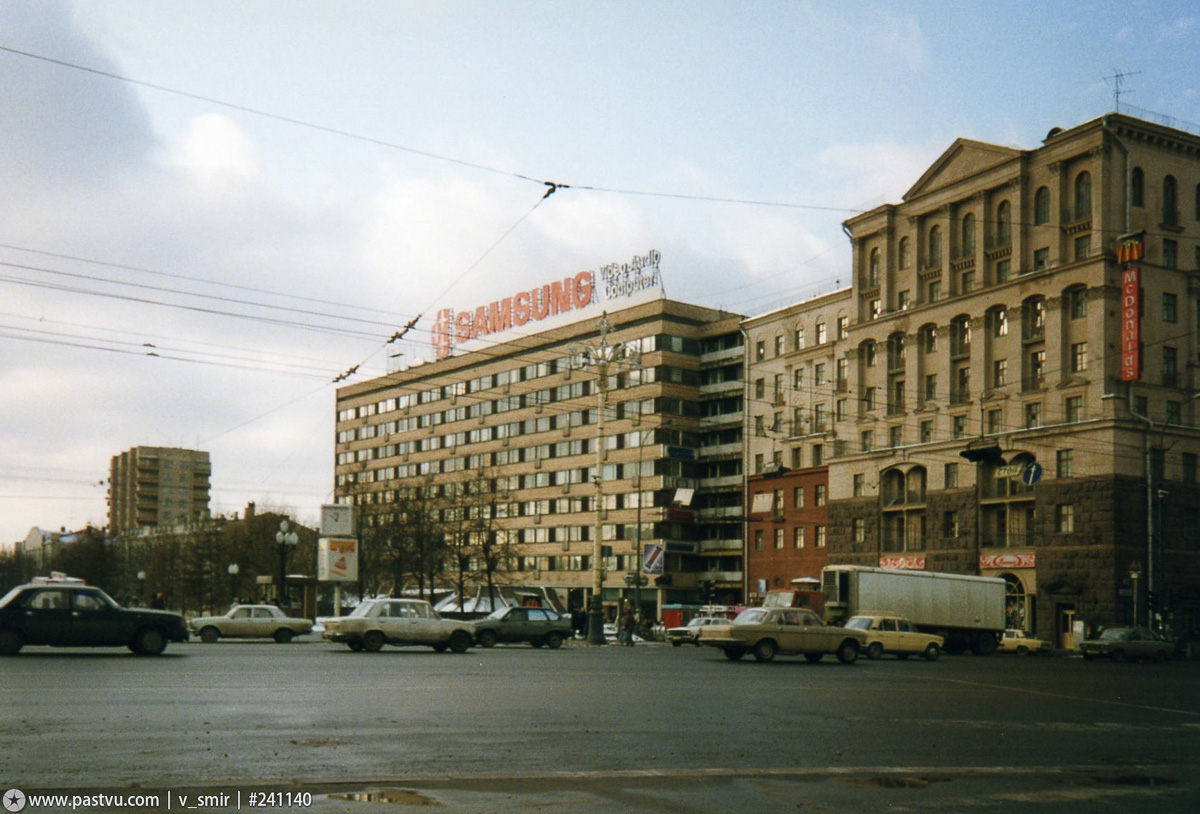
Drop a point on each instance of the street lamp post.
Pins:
(1135, 572)
(233, 572)
(285, 539)
(638, 554)
(141, 577)
(605, 358)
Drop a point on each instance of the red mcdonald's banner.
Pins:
(1131, 369)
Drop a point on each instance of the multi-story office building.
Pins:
(506, 446)
(157, 486)
(1038, 311)
(796, 389)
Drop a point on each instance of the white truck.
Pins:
(967, 611)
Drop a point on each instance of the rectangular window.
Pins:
(1066, 518)
(1078, 303)
(1083, 247)
(1079, 357)
(904, 300)
(926, 432)
(1170, 367)
(1074, 409)
(819, 374)
(859, 485)
(822, 334)
(894, 436)
(1170, 254)
(843, 327)
(959, 424)
(866, 441)
(798, 537)
(760, 351)
(1188, 467)
(1041, 259)
(1000, 373)
(1170, 307)
(935, 290)
(820, 536)
(779, 538)
(995, 420)
(950, 473)
(798, 339)
(869, 398)
(758, 539)
(1064, 463)
(1003, 270)
(1033, 415)
(819, 493)
(860, 530)
(930, 386)
(779, 345)
(798, 497)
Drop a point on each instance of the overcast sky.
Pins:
(210, 210)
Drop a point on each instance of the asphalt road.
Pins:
(584, 729)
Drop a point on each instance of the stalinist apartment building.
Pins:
(515, 399)
(1009, 386)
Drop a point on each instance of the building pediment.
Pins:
(965, 158)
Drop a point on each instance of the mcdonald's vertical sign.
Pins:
(1131, 369)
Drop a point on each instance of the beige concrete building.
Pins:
(157, 486)
(994, 312)
(522, 416)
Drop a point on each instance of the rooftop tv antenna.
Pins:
(1117, 78)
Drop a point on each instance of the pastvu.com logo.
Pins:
(14, 800)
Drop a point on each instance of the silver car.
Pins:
(376, 622)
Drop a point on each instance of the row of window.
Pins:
(800, 537)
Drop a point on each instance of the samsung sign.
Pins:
(552, 303)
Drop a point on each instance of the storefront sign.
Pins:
(992, 562)
(616, 283)
(905, 563)
(1130, 325)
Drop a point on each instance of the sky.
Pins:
(209, 211)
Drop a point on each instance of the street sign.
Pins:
(1032, 474)
(1010, 471)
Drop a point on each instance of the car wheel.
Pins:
(460, 641)
(847, 652)
(1022, 650)
(149, 641)
(554, 640)
(372, 641)
(487, 638)
(11, 642)
(283, 635)
(734, 653)
(765, 650)
(209, 635)
(932, 652)
(874, 650)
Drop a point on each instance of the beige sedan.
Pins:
(250, 622)
(896, 636)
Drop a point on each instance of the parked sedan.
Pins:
(76, 615)
(250, 622)
(538, 626)
(690, 633)
(376, 622)
(1128, 644)
(787, 631)
(1021, 643)
(895, 636)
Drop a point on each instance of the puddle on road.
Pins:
(402, 797)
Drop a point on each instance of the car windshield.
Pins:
(752, 616)
(498, 613)
(1115, 634)
(8, 597)
(859, 623)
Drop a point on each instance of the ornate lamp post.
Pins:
(233, 572)
(607, 360)
(285, 539)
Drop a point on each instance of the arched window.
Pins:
(906, 252)
(1041, 206)
(935, 247)
(997, 321)
(1083, 196)
(1137, 187)
(1170, 202)
(967, 244)
(1003, 224)
(873, 269)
